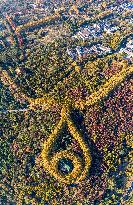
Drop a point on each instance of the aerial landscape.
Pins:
(66, 129)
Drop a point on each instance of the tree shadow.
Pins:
(96, 155)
